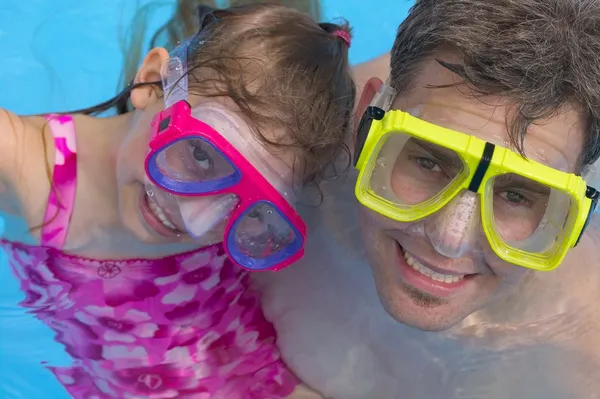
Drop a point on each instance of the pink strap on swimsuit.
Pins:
(62, 194)
(186, 326)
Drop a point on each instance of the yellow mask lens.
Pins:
(409, 171)
(528, 216)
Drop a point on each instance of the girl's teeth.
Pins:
(424, 270)
(160, 214)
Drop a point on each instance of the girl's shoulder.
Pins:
(26, 163)
(19, 133)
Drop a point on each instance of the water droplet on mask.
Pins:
(381, 162)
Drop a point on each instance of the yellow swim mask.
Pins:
(532, 214)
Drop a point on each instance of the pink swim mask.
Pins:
(203, 172)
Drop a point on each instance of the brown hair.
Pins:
(540, 54)
(283, 70)
(183, 24)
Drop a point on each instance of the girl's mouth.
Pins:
(158, 219)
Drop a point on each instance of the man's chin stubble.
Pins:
(423, 299)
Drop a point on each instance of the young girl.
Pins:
(142, 225)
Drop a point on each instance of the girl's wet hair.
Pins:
(283, 71)
(183, 24)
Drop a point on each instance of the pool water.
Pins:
(65, 54)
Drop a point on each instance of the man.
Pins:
(415, 293)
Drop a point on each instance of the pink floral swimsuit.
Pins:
(184, 326)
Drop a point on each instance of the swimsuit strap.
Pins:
(64, 182)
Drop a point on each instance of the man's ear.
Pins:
(142, 96)
(369, 90)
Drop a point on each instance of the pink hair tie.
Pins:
(342, 34)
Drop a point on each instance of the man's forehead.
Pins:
(439, 96)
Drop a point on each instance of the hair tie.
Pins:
(342, 34)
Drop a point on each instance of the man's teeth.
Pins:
(421, 268)
(160, 214)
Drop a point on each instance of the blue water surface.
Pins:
(65, 54)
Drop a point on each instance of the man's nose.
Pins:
(455, 229)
